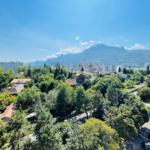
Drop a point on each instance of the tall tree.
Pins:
(73, 142)
(46, 132)
(142, 79)
(80, 96)
(63, 99)
(82, 69)
(112, 93)
(119, 69)
(124, 70)
(50, 70)
(147, 67)
(100, 104)
(29, 72)
(120, 120)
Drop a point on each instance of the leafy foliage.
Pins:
(5, 100)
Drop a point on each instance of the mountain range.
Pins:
(108, 55)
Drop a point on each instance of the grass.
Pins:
(127, 88)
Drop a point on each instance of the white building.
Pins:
(12, 64)
(91, 67)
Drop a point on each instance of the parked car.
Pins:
(145, 145)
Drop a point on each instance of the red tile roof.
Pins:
(78, 74)
(8, 112)
(71, 81)
(15, 81)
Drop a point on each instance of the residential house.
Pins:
(8, 112)
(95, 73)
(79, 78)
(122, 74)
(22, 73)
(20, 81)
(14, 90)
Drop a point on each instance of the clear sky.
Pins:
(39, 29)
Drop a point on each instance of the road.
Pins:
(138, 86)
(79, 117)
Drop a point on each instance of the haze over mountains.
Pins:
(108, 55)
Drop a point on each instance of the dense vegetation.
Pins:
(113, 115)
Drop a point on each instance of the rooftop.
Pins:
(22, 81)
(14, 90)
(8, 112)
(71, 81)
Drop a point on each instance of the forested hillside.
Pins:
(102, 54)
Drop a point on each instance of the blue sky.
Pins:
(33, 30)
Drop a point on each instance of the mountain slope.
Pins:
(101, 53)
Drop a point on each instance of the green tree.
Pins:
(112, 95)
(60, 77)
(52, 99)
(11, 71)
(144, 93)
(82, 69)
(5, 100)
(73, 140)
(5, 79)
(28, 99)
(80, 96)
(66, 84)
(138, 76)
(19, 76)
(63, 99)
(124, 70)
(142, 79)
(22, 69)
(129, 84)
(148, 82)
(46, 132)
(29, 84)
(87, 84)
(129, 71)
(148, 71)
(99, 104)
(87, 102)
(14, 130)
(138, 110)
(44, 86)
(29, 72)
(119, 69)
(120, 120)
(2, 69)
(50, 70)
(95, 134)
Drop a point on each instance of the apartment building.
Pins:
(11, 64)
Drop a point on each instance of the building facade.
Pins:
(12, 64)
(91, 67)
